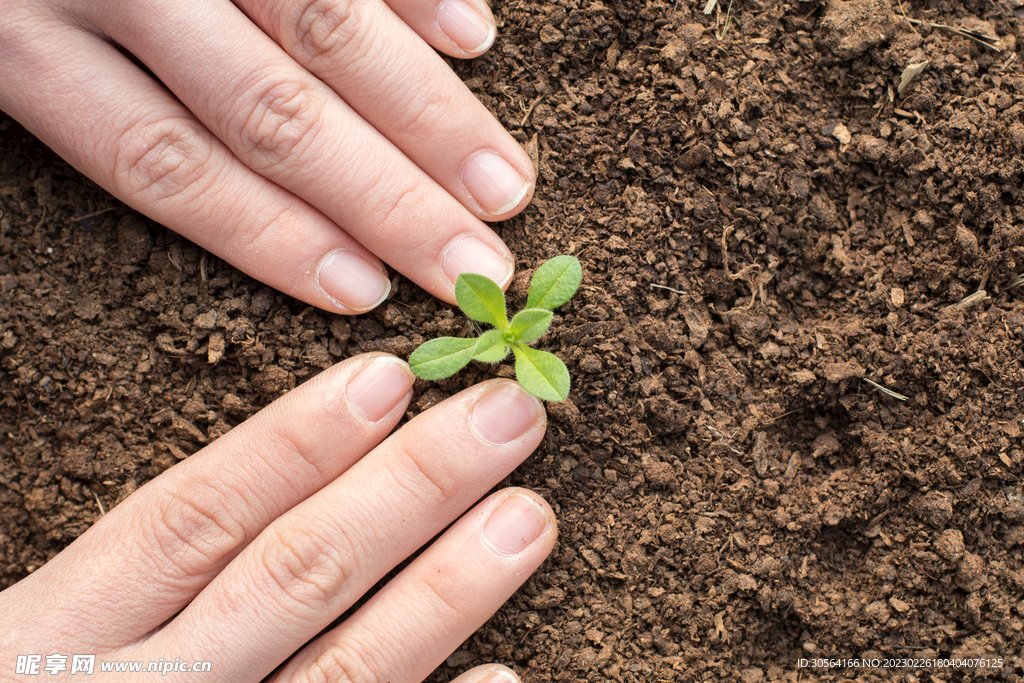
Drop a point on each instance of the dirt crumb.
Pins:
(852, 27)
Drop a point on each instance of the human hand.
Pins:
(242, 553)
(299, 138)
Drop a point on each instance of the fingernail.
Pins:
(467, 254)
(494, 183)
(352, 281)
(378, 387)
(516, 523)
(464, 25)
(504, 413)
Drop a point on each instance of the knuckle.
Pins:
(320, 29)
(191, 534)
(162, 159)
(284, 117)
(259, 236)
(398, 208)
(427, 475)
(443, 594)
(432, 109)
(340, 665)
(303, 572)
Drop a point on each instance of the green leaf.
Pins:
(490, 347)
(555, 282)
(481, 299)
(441, 357)
(530, 323)
(542, 374)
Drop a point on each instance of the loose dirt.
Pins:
(766, 224)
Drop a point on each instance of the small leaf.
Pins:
(530, 323)
(441, 357)
(555, 282)
(481, 299)
(542, 374)
(490, 347)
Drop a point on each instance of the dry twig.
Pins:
(978, 37)
(887, 392)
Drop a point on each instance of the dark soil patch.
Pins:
(765, 225)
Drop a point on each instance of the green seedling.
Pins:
(541, 373)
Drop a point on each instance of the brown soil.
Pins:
(765, 225)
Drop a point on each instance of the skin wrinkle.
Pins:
(424, 477)
(198, 539)
(395, 64)
(238, 538)
(298, 446)
(400, 206)
(335, 662)
(438, 594)
(164, 161)
(391, 227)
(431, 110)
(286, 469)
(238, 484)
(387, 650)
(441, 439)
(362, 64)
(283, 121)
(317, 36)
(301, 571)
(325, 544)
(249, 238)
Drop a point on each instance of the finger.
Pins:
(419, 618)
(144, 147)
(385, 71)
(154, 552)
(324, 554)
(295, 131)
(488, 673)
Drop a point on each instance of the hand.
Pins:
(295, 139)
(242, 553)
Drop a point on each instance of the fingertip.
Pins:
(499, 187)
(469, 26)
(520, 520)
(353, 282)
(539, 501)
(505, 412)
(469, 253)
(381, 386)
(489, 673)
